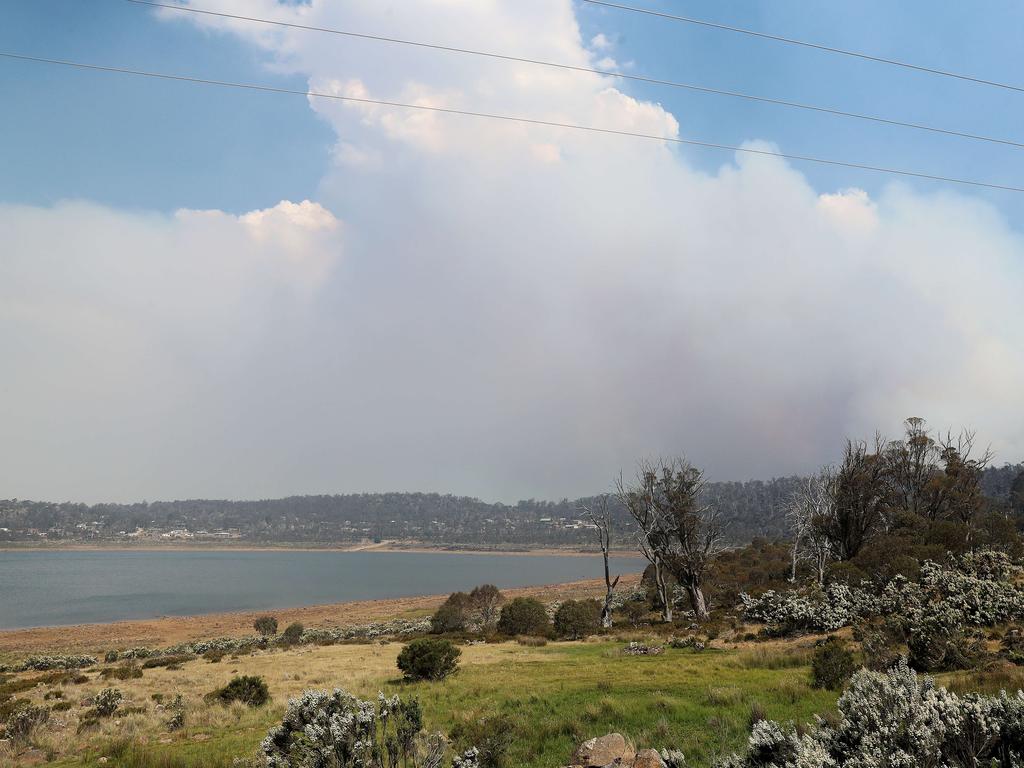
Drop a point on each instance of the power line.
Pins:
(590, 70)
(805, 44)
(509, 119)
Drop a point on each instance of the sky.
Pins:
(216, 293)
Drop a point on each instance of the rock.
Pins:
(603, 751)
(648, 758)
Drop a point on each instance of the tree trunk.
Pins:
(821, 562)
(697, 601)
(796, 551)
(666, 602)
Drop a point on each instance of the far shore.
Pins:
(171, 630)
(220, 546)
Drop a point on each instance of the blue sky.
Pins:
(128, 142)
(213, 293)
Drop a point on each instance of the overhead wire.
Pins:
(590, 70)
(509, 119)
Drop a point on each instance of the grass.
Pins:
(555, 696)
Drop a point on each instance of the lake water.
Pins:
(64, 587)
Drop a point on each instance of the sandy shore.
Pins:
(170, 630)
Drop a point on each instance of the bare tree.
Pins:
(808, 513)
(683, 532)
(639, 501)
(600, 515)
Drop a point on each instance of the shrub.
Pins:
(248, 689)
(177, 709)
(832, 664)
(293, 633)
(636, 611)
(524, 616)
(492, 737)
(266, 626)
(881, 646)
(127, 671)
(897, 719)
(429, 658)
(107, 701)
(938, 642)
(486, 601)
(110, 657)
(453, 615)
(577, 618)
(172, 660)
(24, 720)
(337, 729)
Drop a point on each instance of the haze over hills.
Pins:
(753, 508)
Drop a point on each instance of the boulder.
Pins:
(648, 758)
(610, 750)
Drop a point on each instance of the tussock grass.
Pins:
(554, 696)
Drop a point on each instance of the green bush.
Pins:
(429, 658)
(453, 615)
(524, 616)
(832, 664)
(266, 626)
(127, 671)
(248, 689)
(293, 633)
(575, 619)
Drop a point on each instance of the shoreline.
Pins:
(386, 546)
(171, 630)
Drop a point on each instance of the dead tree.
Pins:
(807, 513)
(600, 515)
(638, 499)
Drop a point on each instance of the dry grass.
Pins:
(97, 638)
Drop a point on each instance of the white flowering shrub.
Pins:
(107, 701)
(897, 720)
(803, 610)
(46, 663)
(324, 729)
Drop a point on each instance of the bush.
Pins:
(897, 719)
(492, 737)
(110, 657)
(524, 616)
(106, 702)
(248, 689)
(832, 664)
(177, 709)
(24, 720)
(338, 730)
(486, 601)
(575, 619)
(293, 633)
(938, 642)
(266, 626)
(453, 615)
(127, 671)
(429, 658)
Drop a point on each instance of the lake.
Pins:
(49, 588)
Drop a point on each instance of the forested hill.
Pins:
(753, 508)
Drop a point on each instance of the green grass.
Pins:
(557, 696)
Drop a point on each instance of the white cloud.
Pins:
(520, 310)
